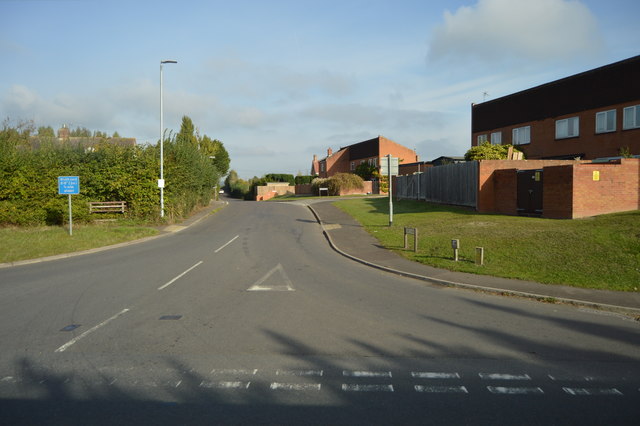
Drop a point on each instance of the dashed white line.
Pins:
(367, 388)
(91, 330)
(296, 386)
(441, 389)
(348, 373)
(317, 373)
(592, 391)
(225, 385)
(499, 376)
(232, 240)
(514, 390)
(434, 375)
(235, 372)
(180, 276)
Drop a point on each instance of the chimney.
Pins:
(329, 152)
(63, 133)
(315, 158)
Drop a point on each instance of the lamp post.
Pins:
(161, 180)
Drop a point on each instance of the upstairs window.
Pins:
(568, 128)
(353, 166)
(496, 138)
(631, 117)
(606, 121)
(521, 135)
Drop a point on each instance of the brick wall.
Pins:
(557, 192)
(617, 188)
(487, 200)
(387, 146)
(505, 188)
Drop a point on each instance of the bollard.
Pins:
(414, 232)
(455, 245)
(479, 256)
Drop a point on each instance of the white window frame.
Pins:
(496, 138)
(568, 128)
(322, 166)
(631, 117)
(481, 139)
(604, 119)
(521, 135)
(353, 166)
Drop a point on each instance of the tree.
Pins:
(487, 151)
(46, 132)
(187, 133)
(116, 135)
(214, 149)
(366, 171)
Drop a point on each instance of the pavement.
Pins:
(349, 238)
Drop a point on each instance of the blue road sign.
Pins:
(68, 185)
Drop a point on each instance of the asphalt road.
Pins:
(249, 317)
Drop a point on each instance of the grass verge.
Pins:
(30, 243)
(601, 252)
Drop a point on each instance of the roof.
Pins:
(608, 85)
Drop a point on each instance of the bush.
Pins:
(303, 180)
(338, 183)
(487, 151)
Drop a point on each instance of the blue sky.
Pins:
(278, 81)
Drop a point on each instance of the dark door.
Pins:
(530, 192)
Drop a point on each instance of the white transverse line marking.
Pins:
(441, 389)
(497, 376)
(295, 386)
(430, 375)
(234, 372)
(232, 240)
(585, 391)
(91, 330)
(367, 388)
(513, 391)
(180, 276)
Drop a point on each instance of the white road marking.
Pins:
(498, 376)
(367, 388)
(592, 391)
(180, 276)
(441, 389)
(296, 386)
(348, 373)
(91, 330)
(234, 372)
(571, 378)
(317, 373)
(225, 385)
(434, 375)
(513, 390)
(232, 240)
(287, 286)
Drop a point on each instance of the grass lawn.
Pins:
(30, 243)
(600, 252)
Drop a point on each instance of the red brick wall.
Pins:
(616, 190)
(487, 201)
(505, 187)
(387, 146)
(557, 192)
(544, 143)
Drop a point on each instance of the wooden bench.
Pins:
(107, 206)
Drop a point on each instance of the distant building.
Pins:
(442, 161)
(348, 158)
(589, 115)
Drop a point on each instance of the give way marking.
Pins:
(274, 280)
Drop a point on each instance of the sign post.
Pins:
(69, 185)
(389, 167)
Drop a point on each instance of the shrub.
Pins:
(303, 180)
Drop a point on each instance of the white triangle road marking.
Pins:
(283, 282)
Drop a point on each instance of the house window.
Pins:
(496, 138)
(606, 121)
(568, 128)
(522, 135)
(353, 166)
(322, 166)
(372, 162)
(482, 139)
(631, 117)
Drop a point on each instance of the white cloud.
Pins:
(499, 31)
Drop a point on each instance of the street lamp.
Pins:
(161, 180)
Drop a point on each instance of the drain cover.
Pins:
(70, 327)
(171, 317)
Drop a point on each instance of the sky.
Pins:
(281, 80)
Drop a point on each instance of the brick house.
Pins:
(348, 158)
(589, 115)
